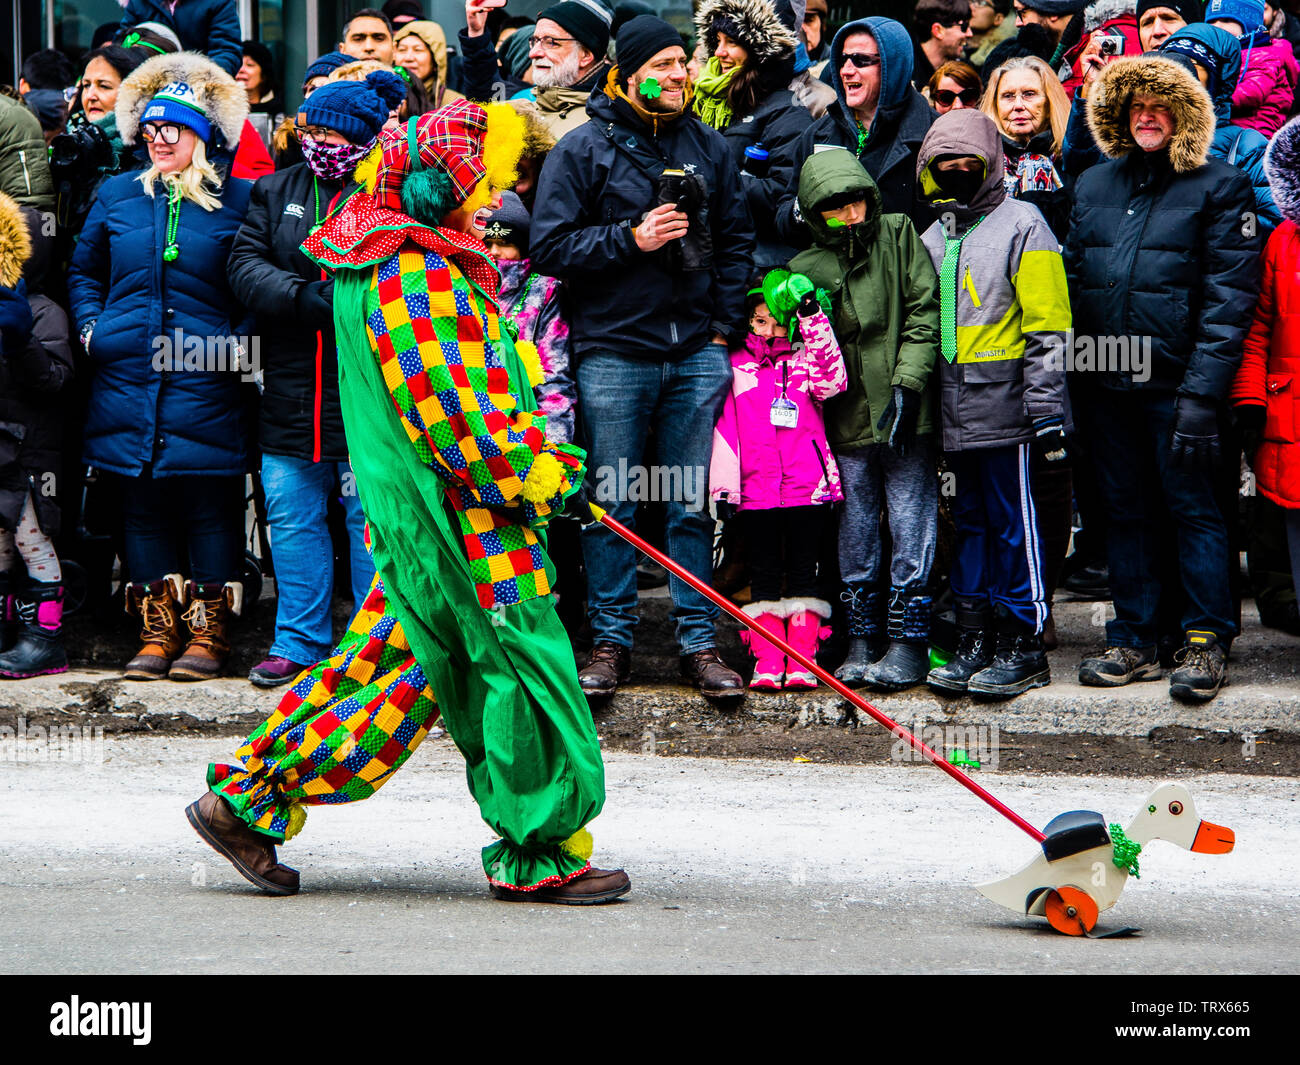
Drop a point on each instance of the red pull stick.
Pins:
(835, 685)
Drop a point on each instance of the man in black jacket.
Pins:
(304, 452)
(1162, 260)
(640, 211)
(877, 115)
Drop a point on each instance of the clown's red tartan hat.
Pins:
(450, 138)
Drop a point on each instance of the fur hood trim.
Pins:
(1189, 103)
(15, 242)
(1282, 168)
(1102, 11)
(758, 30)
(218, 93)
(538, 139)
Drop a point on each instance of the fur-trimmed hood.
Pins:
(1102, 11)
(1189, 103)
(217, 92)
(1282, 168)
(758, 29)
(15, 242)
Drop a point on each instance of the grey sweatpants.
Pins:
(908, 489)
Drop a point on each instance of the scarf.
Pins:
(333, 162)
(711, 101)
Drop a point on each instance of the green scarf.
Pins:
(711, 102)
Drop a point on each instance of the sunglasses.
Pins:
(862, 59)
(947, 97)
(962, 24)
(167, 132)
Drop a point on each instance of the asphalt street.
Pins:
(737, 866)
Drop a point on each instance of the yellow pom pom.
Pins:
(532, 360)
(580, 845)
(503, 144)
(297, 818)
(367, 171)
(543, 481)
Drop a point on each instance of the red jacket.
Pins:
(252, 160)
(1126, 25)
(1270, 369)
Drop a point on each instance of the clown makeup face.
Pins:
(473, 219)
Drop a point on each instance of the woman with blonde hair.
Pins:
(158, 320)
(1026, 102)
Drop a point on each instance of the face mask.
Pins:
(331, 162)
(959, 185)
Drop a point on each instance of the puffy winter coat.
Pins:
(1011, 310)
(1266, 90)
(34, 367)
(597, 184)
(1160, 244)
(532, 303)
(1270, 369)
(758, 465)
(882, 290)
(24, 160)
(182, 415)
(292, 305)
(888, 151)
(207, 26)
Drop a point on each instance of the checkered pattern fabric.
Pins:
(440, 350)
(344, 728)
(450, 138)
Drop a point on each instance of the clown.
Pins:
(458, 481)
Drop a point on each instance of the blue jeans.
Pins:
(297, 491)
(1129, 434)
(619, 400)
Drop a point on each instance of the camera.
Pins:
(688, 191)
(1111, 44)
(80, 153)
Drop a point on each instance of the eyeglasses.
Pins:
(167, 132)
(316, 133)
(862, 59)
(549, 43)
(947, 97)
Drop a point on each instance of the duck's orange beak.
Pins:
(1213, 839)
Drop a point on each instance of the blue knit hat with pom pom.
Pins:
(357, 109)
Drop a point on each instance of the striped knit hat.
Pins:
(176, 102)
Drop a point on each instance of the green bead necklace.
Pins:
(172, 252)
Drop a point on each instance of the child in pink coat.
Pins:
(771, 463)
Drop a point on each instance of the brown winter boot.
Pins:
(158, 606)
(209, 611)
(249, 852)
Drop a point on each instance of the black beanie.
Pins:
(640, 40)
(587, 20)
(509, 224)
(1191, 10)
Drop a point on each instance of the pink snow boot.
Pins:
(769, 667)
(806, 628)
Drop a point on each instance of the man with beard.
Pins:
(567, 54)
(641, 213)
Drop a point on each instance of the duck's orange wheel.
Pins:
(1071, 911)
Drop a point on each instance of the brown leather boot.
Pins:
(251, 853)
(609, 666)
(711, 675)
(209, 611)
(590, 889)
(158, 605)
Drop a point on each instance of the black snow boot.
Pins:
(974, 648)
(907, 661)
(39, 648)
(864, 608)
(1019, 662)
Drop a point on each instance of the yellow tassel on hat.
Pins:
(503, 144)
(367, 171)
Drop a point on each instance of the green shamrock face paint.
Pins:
(650, 88)
(834, 223)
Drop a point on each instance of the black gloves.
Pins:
(1250, 420)
(900, 419)
(315, 302)
(578, 506)
(1195, 445)
(1049, 439)
(725, 509)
